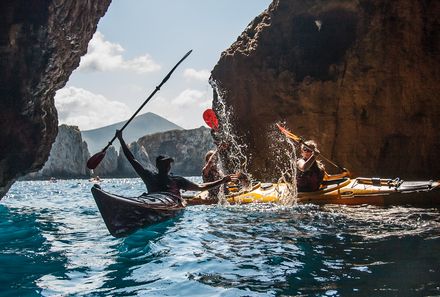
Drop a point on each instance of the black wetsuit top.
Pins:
(157, 182)
(212, 175)
(310, 180)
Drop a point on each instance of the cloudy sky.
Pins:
(136, 45)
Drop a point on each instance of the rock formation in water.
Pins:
(109, 165)
(68, 156)
(186, 147)
(360, 77)
(41, 43)
(124, 168)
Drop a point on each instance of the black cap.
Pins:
(164, 158)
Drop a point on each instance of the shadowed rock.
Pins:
(41, 43)
(360, 77)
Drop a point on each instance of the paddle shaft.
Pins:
(299, 140)
(323, 157)
(149, 97)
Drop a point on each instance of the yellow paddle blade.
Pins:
(289, 134)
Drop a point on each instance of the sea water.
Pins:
(53, 242)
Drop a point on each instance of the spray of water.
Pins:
(285, 159)
(236, 158)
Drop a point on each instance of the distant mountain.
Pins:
(141, 125)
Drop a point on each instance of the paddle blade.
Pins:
(94, 161)
(289, 134)
(210, 119)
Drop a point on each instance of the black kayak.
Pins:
(124, 215)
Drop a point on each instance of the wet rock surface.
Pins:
(41, 43)
(360, 77)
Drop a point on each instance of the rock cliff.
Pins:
(124, 168)
(41, 43)
(360, 77)
(186, 147)
(68, 156)
(109, 165)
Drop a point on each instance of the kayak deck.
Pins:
(372, 191)
(124, 215)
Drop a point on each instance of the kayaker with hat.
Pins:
(310, 171)
(162, 181)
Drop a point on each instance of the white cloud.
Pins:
(87, 110)
(202, 75)
(102, 55)
(191, 98)
(184, 110)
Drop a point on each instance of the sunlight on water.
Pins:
(54, 242)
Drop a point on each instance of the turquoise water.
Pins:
(53, 242)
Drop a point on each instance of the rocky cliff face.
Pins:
(41, 43)
(124, 168)
(68, 156)
(109, 165)
(360, 77)
(186, 147)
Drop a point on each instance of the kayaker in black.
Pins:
(162, 181)
(310, 171)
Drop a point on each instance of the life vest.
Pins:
(212, 175)
(310, 180)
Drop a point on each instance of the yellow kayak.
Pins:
(349, 191)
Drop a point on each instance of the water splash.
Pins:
(237, 159)
(285, 160)
(236, 156)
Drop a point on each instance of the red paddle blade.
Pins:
(94, 160)
(210, 119)
(289, 134)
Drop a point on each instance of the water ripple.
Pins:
(53, 242)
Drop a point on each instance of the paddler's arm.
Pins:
(211, 162)
(135, 163)
(209, 185)
(305, 165)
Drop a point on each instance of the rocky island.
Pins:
(70, 153)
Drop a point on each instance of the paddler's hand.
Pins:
(226, 179)
(223, 146)
(118, 134)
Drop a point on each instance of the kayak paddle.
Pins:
(299, 140)
(210, 119)
(94, 161)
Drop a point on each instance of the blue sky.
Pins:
(136, 44)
